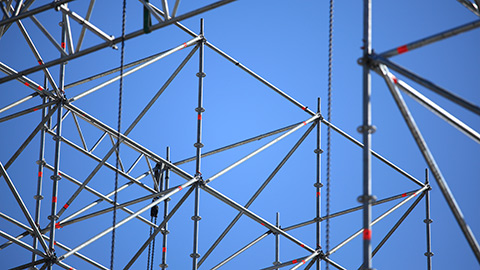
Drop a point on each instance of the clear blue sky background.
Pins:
(286, 43)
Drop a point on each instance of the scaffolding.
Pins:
(71, 228)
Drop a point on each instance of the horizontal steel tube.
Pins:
(256, 138)
(253, 216)
(91, 240)
(106, 210)
(429, 85)
(439, 111)
(249, 245)
(431, 39)
(311, 119)
(115, 41)
(18, 102)
(27, 111)
(98, 194)
(333, 250)
(28, 13)
(22, 244)
(287, 263)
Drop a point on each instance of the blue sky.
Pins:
(285, 43)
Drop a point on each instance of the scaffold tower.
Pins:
(223, 152)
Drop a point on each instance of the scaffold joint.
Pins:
(53, 217)
(200, 109)
(428, 220)
(428, 254)
(370, 129)
(196, 218)
(369, 199)
(318, 185)
(41, 162)
(198, 145)
(318, 151)
(195, 255)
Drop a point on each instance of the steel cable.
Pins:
(119, 125)
(329, 119)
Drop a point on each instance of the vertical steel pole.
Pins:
(56, 172)
(318, 184)
(196, 218)
(427, 221)
(277, 243)
(165, 231)
(41, 162)
(366, 130)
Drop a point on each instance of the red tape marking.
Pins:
(57, 225)
(318, 194)
(63, 45)
(66, 206)
(164, 249)
(304, 108)
(54, 199)
(27, 84)
(199, 117)
(302, 245)
(40, 61)
(402, 49)
(304, 123)
(404, 195)
(180, 188)
(395, 80)
(35, 109)
(303, 261)
(294, 261)
(40, 88)
(367, 234)
(40, 174)
(262, 224)
(184, 45)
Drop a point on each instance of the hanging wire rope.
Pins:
(119, 126)
(151, 246)
(329, 119)
(153, 242)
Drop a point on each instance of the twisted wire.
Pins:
(119, 125)
(329, 119)
(153, 247)
(149, 246)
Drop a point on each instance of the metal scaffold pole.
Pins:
(165, 231)
(56, 172)
(366, 130)
(428, 221)
(318, 185)
(198, 145)
(41, 163)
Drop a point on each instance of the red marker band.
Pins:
(402, 49)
